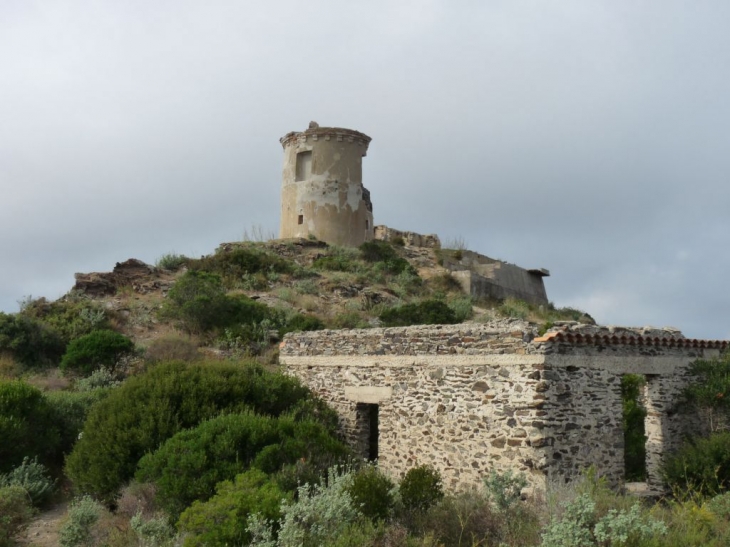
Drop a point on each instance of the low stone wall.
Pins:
(430, 241)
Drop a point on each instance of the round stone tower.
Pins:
(322, 193)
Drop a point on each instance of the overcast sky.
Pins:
(586, 137)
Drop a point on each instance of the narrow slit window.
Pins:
(300, 219)
(367, 224)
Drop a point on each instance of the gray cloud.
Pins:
(585, 137)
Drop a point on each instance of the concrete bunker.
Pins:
(470, 398)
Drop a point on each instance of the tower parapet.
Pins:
(322, 192)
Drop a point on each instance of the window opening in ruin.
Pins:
(367, 224)
(367, 430)
(373, 412)
(304, 166)
(634, 417)
(300, 220)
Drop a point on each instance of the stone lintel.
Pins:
(409, 360)
(368, 394)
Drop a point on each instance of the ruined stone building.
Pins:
(472, 398)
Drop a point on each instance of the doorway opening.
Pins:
(368, 415)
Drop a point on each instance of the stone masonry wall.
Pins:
(471, 398)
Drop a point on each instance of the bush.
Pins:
(68, 317)
(189, 465)
(70, 409)
(428, 312)
(320, 513)
(223, 519)
(153, 532)
(82, 515)
(701, 465)
(33, 478)
(504, 489)
(462, 307)
(233, 265)
(101, 348)
(150, 408)
(171, 261)
(581, 527)
(198, 300)
(338, 259)
(172, 348)
(372, 493)
(27, 425)
(383, 253)
(301, 322)
(421, 488)
(15, 511)
(99, 379)
(463, 519)
(31, 343)
(710, 394)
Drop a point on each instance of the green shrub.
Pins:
(386, 256)
(462, 307)
(30, 342)
(99, 379)
(199, 302)
(171, 261)
(223, 519)
(232, 265)
(338, 259)
(27, 425)
(463, 519)
(153, 532)
(82, 515)
(70, 409)
(580, 526)
(710, 394)
(516, 309)
(101, 348)
(720, 505)
(504, 489)
(301, 322)
(189, 465)
(421, 488)
(151, 407)
(349, 320)
(68, 317)
(701, 465)
(428, 312)
(33, 478)
(15, 511)
(372, 493)
(320, 513)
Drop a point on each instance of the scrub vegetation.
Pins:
(160, 416)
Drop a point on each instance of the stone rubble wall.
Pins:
(472, 398)
(430, 241)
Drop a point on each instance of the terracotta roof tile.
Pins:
(629, 340)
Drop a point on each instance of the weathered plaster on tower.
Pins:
(322, 192)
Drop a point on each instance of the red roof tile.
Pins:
(576, 338)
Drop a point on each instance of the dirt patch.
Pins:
(43, 530)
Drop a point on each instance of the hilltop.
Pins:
(296, 280)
